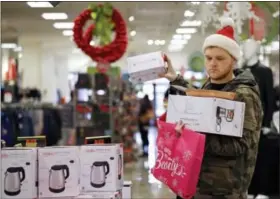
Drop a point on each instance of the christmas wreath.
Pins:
(106, 20)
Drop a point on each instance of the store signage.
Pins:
(32, 141)
(98, 140)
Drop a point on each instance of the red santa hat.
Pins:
(224, 38)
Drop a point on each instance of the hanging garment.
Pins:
(25, 123)
(8, 128)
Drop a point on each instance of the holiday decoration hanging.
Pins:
(106, 20)
(239, 11)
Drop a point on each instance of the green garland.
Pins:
(102, 17)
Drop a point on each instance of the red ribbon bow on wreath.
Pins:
(101, 54)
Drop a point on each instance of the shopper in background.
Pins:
(144, 116)
(229, 162)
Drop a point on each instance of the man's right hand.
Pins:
(170, 73)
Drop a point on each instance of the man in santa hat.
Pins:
(229, 162)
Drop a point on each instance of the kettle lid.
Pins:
(99, 164)
(57, 167)
(13, 169)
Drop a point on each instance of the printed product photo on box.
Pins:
(18, 173)
(145, 67)
(208, 115)
(101, 168)
(58, 171)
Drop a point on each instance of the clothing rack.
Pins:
(30, 119)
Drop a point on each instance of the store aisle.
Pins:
(144, 184)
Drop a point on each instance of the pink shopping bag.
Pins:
(179, 158)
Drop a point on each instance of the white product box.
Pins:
(126, 191)
(208, 115)
(19, 173)
(58, 172)
(101, 168)
(101, 195)
(145, 67)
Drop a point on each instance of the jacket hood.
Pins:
(244, 77)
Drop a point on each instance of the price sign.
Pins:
(32, 141)
(98, 140)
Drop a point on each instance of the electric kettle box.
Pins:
(19, 173)
(101, 168)
(58, 172)
(145, 67)
(207, 114)
(126, 191)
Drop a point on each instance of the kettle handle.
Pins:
(66, 168)
(21, 170)
(107, 168)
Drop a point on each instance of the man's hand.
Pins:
(179, 127)
(170, 73)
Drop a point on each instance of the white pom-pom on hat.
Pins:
(226, 21)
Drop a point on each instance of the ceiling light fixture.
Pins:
(210, 2)
(188, 13)
(40, 4)
(175, 48)
(55, 16)
(67, 32)
(8, 45)
(185, 36)
(131, 18)
(186, 30)
(195, 2)
(18, 49)
(191, 23)
(150, 42)
(63, 25)
(162, 42)
(179, 42)
(132, 33)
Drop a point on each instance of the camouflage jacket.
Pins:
(229, 162)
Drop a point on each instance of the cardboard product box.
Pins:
(101, 168)
(102, 195)
(19, 173)
(208, 115)
(126, 191)
(58, 172)
(145, 67)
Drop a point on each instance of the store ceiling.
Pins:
(153, 20)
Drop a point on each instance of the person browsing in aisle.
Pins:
(229, 162)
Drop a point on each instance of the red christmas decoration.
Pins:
(103, 54)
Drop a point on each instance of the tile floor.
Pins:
(144, 184)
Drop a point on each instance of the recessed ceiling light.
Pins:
(132, 33)
(175, 48)
(185, 36)
(18, 49)
(131, 18)
(186, 30)
(40, 4)
(67, 32)
(188, 13)
(8, 45)
(162, 42)
(195, 2)
(209, 2)
(178, 42)
(191, 23)
(55, 16)
(150, 42)
(63, 25)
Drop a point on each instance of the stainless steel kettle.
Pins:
(98, 173)
(57, 178)
(14, 176)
